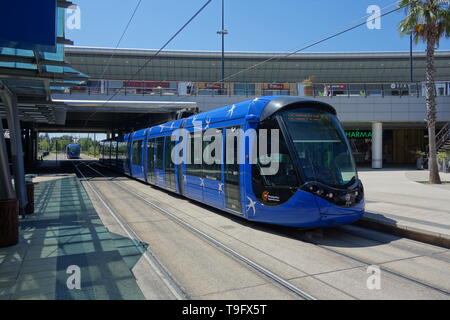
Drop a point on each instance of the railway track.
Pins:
(365, 262)
(170, 282)
(286, 232)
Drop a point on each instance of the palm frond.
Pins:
(425, 19)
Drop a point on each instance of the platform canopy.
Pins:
(32, 67)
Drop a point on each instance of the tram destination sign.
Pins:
(358, 134)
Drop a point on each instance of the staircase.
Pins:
(442, 142)
(443, 139)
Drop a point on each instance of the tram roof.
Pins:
(257, 109)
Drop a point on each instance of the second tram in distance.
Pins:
(316, 184)
(73, 151)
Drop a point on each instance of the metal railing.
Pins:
(330, 90)
(365, 90)
(443, 136)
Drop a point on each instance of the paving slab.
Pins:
(398, 202)
(354, 282)
(64, 231)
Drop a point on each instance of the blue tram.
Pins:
(73, 151)
(315, 183)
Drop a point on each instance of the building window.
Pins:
(244, 89)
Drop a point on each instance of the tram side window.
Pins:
(108, 150)
(136, 158)
(286, 177)
(150, 154)
(213, 171)
(194, 168)
(111, 150)
(114, 150)
(128, 151)
(169, 145)
(159, 153)
(121, 150)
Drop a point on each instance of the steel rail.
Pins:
(173, 286)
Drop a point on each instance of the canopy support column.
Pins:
(12, 115)
(377, 145)
(6, 187)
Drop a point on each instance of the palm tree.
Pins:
(428, 21)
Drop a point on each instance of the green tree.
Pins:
(428, 21)
(43, 145)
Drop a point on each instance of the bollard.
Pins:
(29, 209)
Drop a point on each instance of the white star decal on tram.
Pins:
(171, 125)
(220, 187)
(198, 125)
(208, 122)
(231, 110)
(184, 178)
(202, 182)
(251, 205)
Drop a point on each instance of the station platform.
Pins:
(65, 231)
(400, 201)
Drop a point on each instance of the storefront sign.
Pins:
(275, 86)
(146, 84)
(358, 134)
(399, 86)
(209, 85)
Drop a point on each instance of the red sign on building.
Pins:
(146, 84)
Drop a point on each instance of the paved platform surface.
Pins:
(399, 198)
(66, 231)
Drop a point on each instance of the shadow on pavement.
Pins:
(66, 231)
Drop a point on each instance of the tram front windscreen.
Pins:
(321, 146)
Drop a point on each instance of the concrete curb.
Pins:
(402, 230)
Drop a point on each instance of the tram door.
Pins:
(232, 175)
(151, 160)
(179, 168)
(169, 164)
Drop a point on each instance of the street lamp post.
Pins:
(223, 32)
(411, 58)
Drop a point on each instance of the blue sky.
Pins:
(254, 25)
